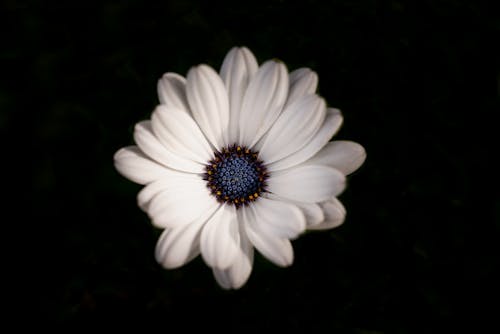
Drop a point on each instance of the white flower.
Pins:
(236, 160)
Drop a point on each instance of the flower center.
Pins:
(236, 175)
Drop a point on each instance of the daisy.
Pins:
(236, 161)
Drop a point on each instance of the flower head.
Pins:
(237, 160)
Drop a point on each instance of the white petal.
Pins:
(296, 126)
(242, 268)
(346, 156)
(180, 245)
(184, 200)
(238, 68)
(277, 250)
(309, 184)
(170, 180)
(330, 126)
(263, 101)
(208, 100)
(220, 238)
(180, 133)
(150, 144)
(312, 211)
(147, 193)
(237, 274)
(135, 166)
(223, 277)
(303, 82)
(278, 218)
(334, 215)
(172, 91)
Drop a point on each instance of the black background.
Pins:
(418, 87)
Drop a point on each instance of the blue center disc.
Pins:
(236, 175)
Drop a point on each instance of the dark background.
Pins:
(418, 86)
